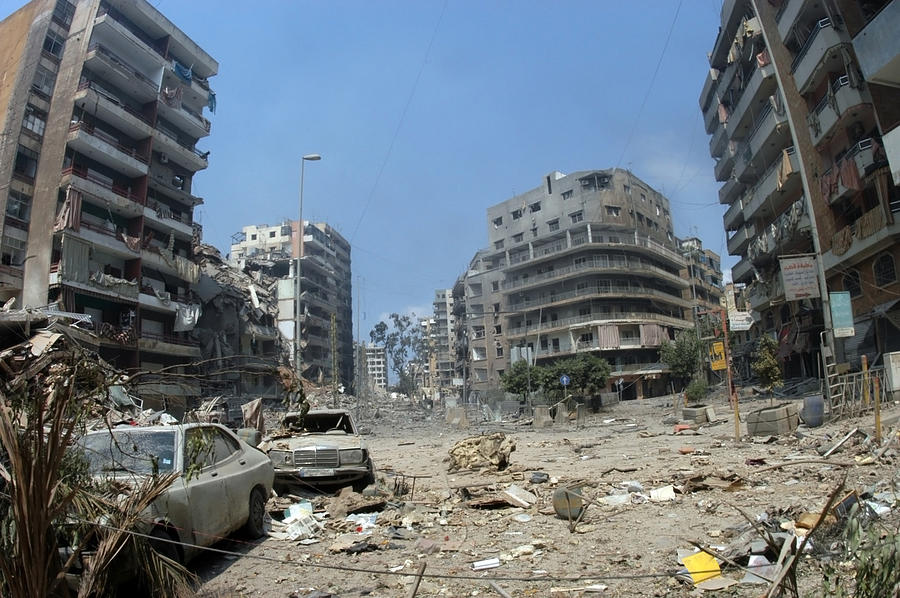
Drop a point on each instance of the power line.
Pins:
(412, 92)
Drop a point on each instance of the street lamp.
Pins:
(297, 350)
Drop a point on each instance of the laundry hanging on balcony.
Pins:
(186, 317)
(172, 96)
(70, 213)
(211, 102)
(183, 72)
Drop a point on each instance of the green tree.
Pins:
(765, 363)
(682, 356)
(403, 344)
(587, 374)
(519, 378)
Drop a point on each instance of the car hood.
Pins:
(292, 443)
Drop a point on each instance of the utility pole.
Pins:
(334, 360)
(360, 354)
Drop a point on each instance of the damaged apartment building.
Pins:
(802, 102)
(101, 113)
(326, 310)
(586, 262)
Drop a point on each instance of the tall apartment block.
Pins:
(802, 102)
(101, 106)
(442, 339)
(325, 291)
(586, 262)
(704, 271)
(376, 366)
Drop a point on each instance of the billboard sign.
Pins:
(717, 356)
(841, 314)
(800, 278)
(740, 321)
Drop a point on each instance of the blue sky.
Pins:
(426, 112)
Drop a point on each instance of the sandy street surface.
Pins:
(629, 548)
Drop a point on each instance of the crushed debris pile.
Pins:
(490, 451)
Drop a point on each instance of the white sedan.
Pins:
(222, 487)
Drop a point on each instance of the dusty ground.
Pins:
(629, 548)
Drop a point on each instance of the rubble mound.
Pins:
(476, 452)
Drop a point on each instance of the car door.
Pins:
(233, 471)
(205, 486)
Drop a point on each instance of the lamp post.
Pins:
(298, 359)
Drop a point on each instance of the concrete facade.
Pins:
(101, 119)
(326, 290)
(442, 335)
(586, 262)
(801, 106)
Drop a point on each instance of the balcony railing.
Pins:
(591, 264)
(595, 317)
(110, 55)
(624, 239)
(107, 138)
(118, 190)
(595, 291)
(167, 338)
(91, 85)
(134, 29)
(16, 223)
(820, 25)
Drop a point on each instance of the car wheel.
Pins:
(161, 542)
(256, 516)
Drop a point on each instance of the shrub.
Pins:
(696, 390)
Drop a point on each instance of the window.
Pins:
(657, 210)
(614, 239)
(535, 207)
(613, 210)
(626, 189)
(26, 162)
(252, 237)
(555, 345)
(498, 221)
(851, 283)
(584, 311)
(579, 261)
(576, 217)
(641, 218)
(495, 286)
(553, 224)
(44, 81)
(587, 337)
(35, 120)
(63, 12)
(644, 197)
(884, 271)
(581, 286)
(517, 238)
(271, 234)
(567, 194)
(18, 205)
(534, 231)
(54, 44)
(499, 351)
(498, 244)
(516, 214)
(498, 329)
(496, 308)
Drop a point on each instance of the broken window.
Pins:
(644, 198)
(499, 351)
(576, 217)
(535, 207)
(35, 120)
(498, 329)
(516, 214)
(567, 194)
(553, 224)
(54, 44)
(587, 337)
(18, 205)
(44, 80)
(498, 221)
(26, 162)
(496, 308)
(63, 12)
(626, 189)
(615, 211)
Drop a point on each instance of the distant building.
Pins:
(801, 104)
(326, 288)
(586, 262)
(101, 118)
(376, 367)
(704, 272)
(442, 338)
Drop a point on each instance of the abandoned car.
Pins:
(319, 449)
(222, 487)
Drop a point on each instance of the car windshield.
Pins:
(131, 450)
(318, 423)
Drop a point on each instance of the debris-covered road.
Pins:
(651, 493)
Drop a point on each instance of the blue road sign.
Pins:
(564, 380)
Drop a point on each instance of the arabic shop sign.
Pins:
(800, 279)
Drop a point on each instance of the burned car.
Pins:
(222, 486)
(319, 449)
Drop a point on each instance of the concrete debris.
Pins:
(477, 452)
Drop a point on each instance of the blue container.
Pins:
(813, 412)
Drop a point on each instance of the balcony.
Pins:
(737, 243)
(120, 32)
(742, 271)
(867, 236)
(786, 233)
(730, 191)
(719, 142)
(877, 47)
(734, 217)
(725, 165)
(102, 236)
(196, 92)
(93, 99)
(168, 344)
(103, 61)
(732, 13)
(595, 264)
(107, 150)
(819, 53)
(176, 112)
(121, 200)
(709, 101)
(175, 265)
(758, 298)
(767, 128)
(787, 16)
(596, 319)
(166, 219)
(761, 85)
(844, 179)
(644, 245)
(187, 157)
(843, 103)
(154, 302)
(775, 187)
(595, 292)
(166, 187)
